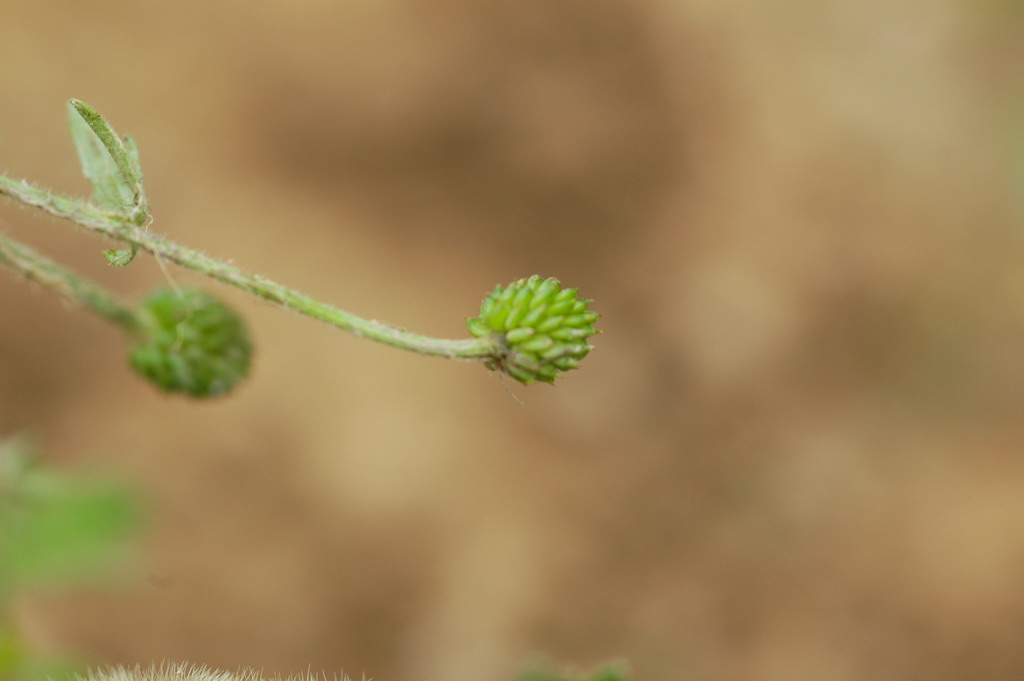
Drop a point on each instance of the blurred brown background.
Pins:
(795, 454)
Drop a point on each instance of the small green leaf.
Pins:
(109, 190)
(12, 652)
(58, 529)
(108, 162)
(69, 531)
(121, 256)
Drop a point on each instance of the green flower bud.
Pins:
(191, 343)
(539, 327)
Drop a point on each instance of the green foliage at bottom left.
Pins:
(57, 530)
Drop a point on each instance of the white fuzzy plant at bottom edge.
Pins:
(189, 672)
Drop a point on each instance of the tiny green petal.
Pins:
(500, 309)
(561, 307)
(519, 309)
(555, 351)
(534, 316)
(477, 327)
(567, 294)
(551, 323)
(519, 335)
(570, 334)
(521, 375)
(547, 373)
(496, 319)
(545, 291)
(537, 344)
(565, 363)
(580, 320)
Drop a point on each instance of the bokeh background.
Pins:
(795, 455)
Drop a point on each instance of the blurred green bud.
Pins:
(191, 343)
(540, 328)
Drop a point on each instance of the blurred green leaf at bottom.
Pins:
(545, 671)
(58, 529)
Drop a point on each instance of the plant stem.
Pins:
(64, 283)
(80, 212)
(117, 226)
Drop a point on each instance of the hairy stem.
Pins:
(117, 226)
(64, 283)
(80, 212)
